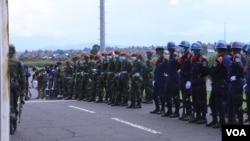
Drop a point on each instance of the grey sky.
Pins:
(35, 24)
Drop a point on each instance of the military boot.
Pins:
(162, 110)
(187, 116)
(132, 105)
(212, 123)
(138, 104)
(80, 98)
(99, 100)
(117, 103)
(157, 108)
(175, 114)
(195, 118)
(168, 113)
(183, 115)
(124, 102)
(68, 97)
(202, 120)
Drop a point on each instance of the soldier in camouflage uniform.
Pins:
(116, 82)
(102, 83)
(59, 80)
(78, 67)
(68, 75)
(94, 77)
(41, 77)
(125, 70)
(148, 78)
(136, 73)
(110, 77)
(42, 83)
(17, 85)
(90, 83)
(85, 77)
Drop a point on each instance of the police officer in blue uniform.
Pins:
(235, 93)
(199, 70)
(219, 74)
(185, 76)
(172, 86)
(247, 85)
(159, 81)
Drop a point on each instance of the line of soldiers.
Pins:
(176, 82)
(188, 73)
(115, 77)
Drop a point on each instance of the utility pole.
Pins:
(102, 25)
(4, 74)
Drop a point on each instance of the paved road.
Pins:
(62, 120)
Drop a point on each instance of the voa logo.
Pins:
(236, 132)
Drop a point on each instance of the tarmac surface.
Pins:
(71, 120)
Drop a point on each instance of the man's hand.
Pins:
(233, 78)
(188, 85)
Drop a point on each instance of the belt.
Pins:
(117, 75)
(85, 73)
(103, 73)
(14, 81)
(137, 74)
(109, 72)
(78, 73)
(123, 72)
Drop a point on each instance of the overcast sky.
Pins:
(35, 24)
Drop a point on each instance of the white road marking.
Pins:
(92, 112)
(46, 101)
(137, 126)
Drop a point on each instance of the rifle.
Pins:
(21, 103)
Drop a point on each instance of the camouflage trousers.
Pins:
(136, 89)
(109, 88)
(78, 86)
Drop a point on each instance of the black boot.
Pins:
(116, 104)
(203, 119)
(124, 102)
(80, 98)
(212, 123)
(68, 98)
(132, 105)
(194, 119)
(175, 114)
(138, 104)
(183, 115)
(156, 110)
(162, 111)
(168, 113)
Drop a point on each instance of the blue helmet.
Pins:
(221, 44)
(246, 48)
(196, 46)
(171, 46)
(185, 44)
(236, 45)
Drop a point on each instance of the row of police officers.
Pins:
(188, 73)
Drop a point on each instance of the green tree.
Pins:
(95, 49)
